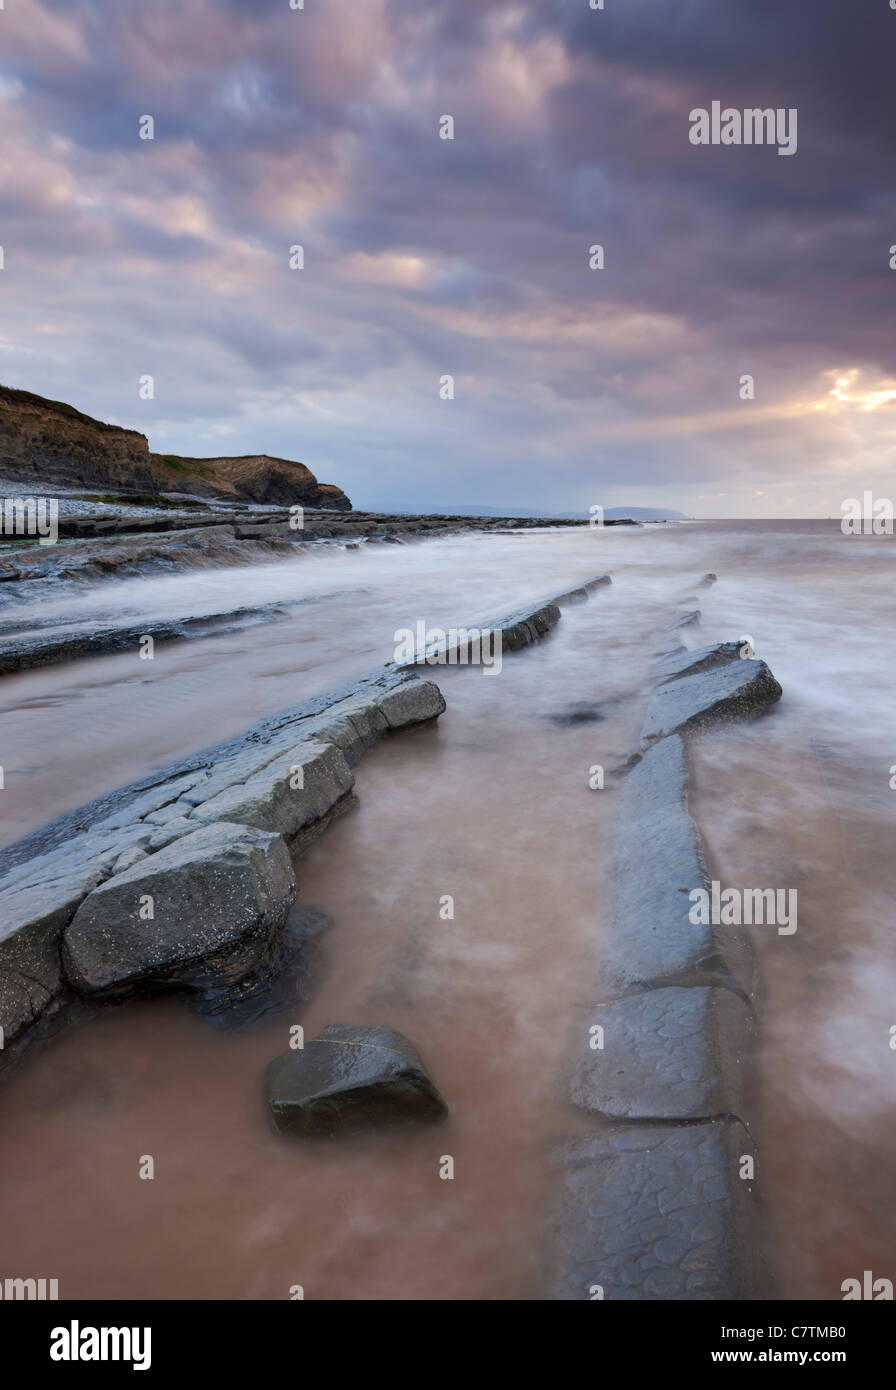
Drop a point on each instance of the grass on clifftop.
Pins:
(13, 394)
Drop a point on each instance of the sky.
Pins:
(426, 258)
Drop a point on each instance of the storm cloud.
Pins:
(426, 257)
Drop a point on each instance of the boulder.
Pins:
(144, 836)
(218, 897)
(349, 1079)
(739, 690)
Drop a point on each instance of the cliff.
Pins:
(250, 478)
(45, 442)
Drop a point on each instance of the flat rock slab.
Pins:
(689, 663)
(672, 1053)
(413, 702)
(287, 794)
(243, 753)
(687, 619)
(350, 1079)
(656, 862)
(219, 896)
(136, 836)
(653, 1212)
(520, 629)
(52, 647)
(581, 592)
(739, 690)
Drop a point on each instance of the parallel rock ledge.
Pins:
(101, 852)
(739, 690)
(657, 1202)
(654, 1212)
(672, 1053)
(656, 864)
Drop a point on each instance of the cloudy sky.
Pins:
(469, 257)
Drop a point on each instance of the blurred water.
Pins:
(70, 733)
(492, 806)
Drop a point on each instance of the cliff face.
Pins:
(250, 478)
(45, 443)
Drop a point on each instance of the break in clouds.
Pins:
(470, 257)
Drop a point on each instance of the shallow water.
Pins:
(492, 806)
(73, 732)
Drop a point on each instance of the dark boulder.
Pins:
(350, 1079)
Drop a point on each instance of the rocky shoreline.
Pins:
(66, 886)
(32, 572)
(185, 881)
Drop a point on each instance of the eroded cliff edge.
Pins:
(45, 443)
